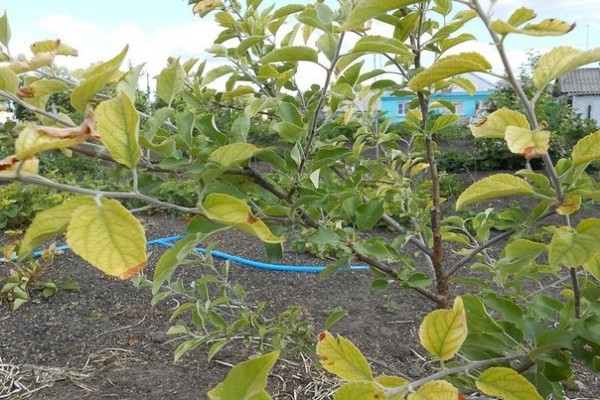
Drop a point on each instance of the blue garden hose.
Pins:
(168, 242)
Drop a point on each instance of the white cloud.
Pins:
(96, 43)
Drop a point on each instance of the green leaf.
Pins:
(368, 9)
(380, 44)
(4, 30)
(185, 127)
(359, 391)
(342, 358)
(169, 82)
(586, 150)
(247, 380)
(494, 126)
(368, 214)
(288, 10)
(216, 73)
(288, 131)
(334, 317)
(169, 261)
(96, 79)
(49, 223)
(129, 83)
(228, 210)
(446, 44)
(9, 81)
(290, 54)
(435, 390)
(118, 122)
(492, 187)
(449, 66)
(507, 384)
(445, 121)
(443, 332)
(234, 155)
(574, 247)
(248, 43)
(561, 60)
(109, 237)
(593, 266)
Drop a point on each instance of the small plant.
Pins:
(24, 279)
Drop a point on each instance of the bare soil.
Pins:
(106, 341)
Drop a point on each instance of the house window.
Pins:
(459, 108)
(402, 109)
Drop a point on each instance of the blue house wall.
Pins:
(466, 104)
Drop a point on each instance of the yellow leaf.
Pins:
(507, 384)
(389, 382)
(342, 358)
(231, 211)
(435, 390)
(443, 332)
(492, 187)
(449, 66)
(118, 124)
(34, 139)
(37, 61)
(520, 16)
(49, 223)
(531, 144)
(359, 391)
(586, 150)
(561, 60)
(234, 155)
(494, 126)
(569, 205)
(109, 237)
(9, 165)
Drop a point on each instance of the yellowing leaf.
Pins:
(231, 211)
(96, 78)
(586, 150)
(49, 223)
(4, 30)
(109, 237)
(247, 380)
(234, 155)
(34, 139)
(342, 358)
(435, 390)
(9, 81)
(359, 391)
(593, 266)
(548, 27)
(118, 124)
(569, 205)
(492, 187)
(368, 9)
(520, 16)
(531, 144)
(494, 126)
(574, 247)
(205, 6)
(449, 66)
(43, 87)
(561, 60)
(10, 165)
(169, 82)
(35, 62)
(443, 332)
(53, 46)
(507, 384)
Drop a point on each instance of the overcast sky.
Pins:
(161, 28)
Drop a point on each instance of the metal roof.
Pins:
(581, 81)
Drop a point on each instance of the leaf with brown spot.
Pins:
(11, 164)
(34, 139)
